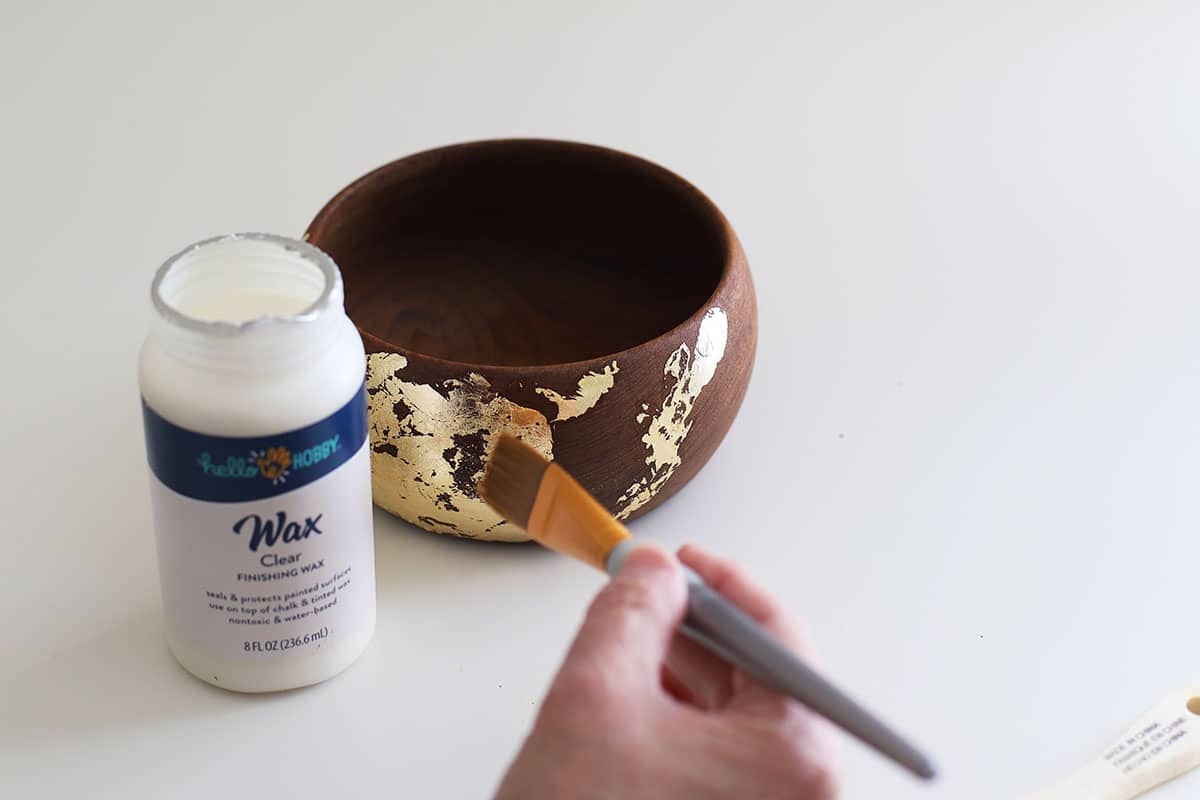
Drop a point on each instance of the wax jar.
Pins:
(254, 403)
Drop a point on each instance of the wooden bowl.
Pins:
(594, 304)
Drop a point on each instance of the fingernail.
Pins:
(646, 559)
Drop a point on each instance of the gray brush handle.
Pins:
(734, 636)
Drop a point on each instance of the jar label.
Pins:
(226, 469)
(265, 543)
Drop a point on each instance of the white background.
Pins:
(969, 456)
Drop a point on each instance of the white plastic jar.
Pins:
(252, 381)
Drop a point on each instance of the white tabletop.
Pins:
(969, 455)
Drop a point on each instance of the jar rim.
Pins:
(330, 275)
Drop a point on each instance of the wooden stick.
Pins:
(1163, 744)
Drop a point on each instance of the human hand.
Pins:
(639, 712)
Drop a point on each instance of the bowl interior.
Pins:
(522, 252)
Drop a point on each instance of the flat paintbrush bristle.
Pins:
(547, 502)
(512, 478)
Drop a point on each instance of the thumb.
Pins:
(630, 624)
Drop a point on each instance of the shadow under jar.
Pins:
(592, 303)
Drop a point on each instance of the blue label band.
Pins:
(228, 469)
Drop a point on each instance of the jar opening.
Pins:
(236, 281)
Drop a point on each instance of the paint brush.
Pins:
(558, 513)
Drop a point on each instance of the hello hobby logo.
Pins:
(272, 463)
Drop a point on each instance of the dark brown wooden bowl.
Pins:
(596, 305)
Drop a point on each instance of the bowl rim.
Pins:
(732, 256)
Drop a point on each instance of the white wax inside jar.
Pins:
(243, 281)
(242, 306)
